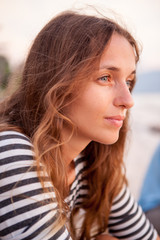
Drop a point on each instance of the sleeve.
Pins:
(26, 211)
(127, 220)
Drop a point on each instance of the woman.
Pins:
(63, 135)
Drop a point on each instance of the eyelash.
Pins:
(130, 84)
(105, 80)
(108, 79)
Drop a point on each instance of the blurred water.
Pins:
(145, 116)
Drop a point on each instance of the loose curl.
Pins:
(62, 57)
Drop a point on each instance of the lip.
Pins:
(116, 121)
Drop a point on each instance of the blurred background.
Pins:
(21, 20)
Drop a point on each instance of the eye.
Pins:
(105, 78)
(130, 83)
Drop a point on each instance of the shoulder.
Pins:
(13, 137)
(16, 156)
(14, 146)
(126, 213)
(27, 210)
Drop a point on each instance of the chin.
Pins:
(113, 142)
(110, 141)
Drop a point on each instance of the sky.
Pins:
(21, 20)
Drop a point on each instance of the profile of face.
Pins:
(99, 111)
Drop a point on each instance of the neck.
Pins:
(73, 147)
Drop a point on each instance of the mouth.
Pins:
(116, 121)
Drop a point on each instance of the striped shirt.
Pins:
(27, 212)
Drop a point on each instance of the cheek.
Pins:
(92, 103)
(91, 109)
(95, 97)
(83, 110)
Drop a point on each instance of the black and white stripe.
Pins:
(26, 212)
(127, 221)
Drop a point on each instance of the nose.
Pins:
(123, 97)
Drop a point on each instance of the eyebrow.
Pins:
(115, 69)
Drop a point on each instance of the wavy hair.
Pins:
(62, 57)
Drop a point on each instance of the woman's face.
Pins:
(99, 111)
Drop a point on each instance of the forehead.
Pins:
(119, 53)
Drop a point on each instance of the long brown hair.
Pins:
(62, 57)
